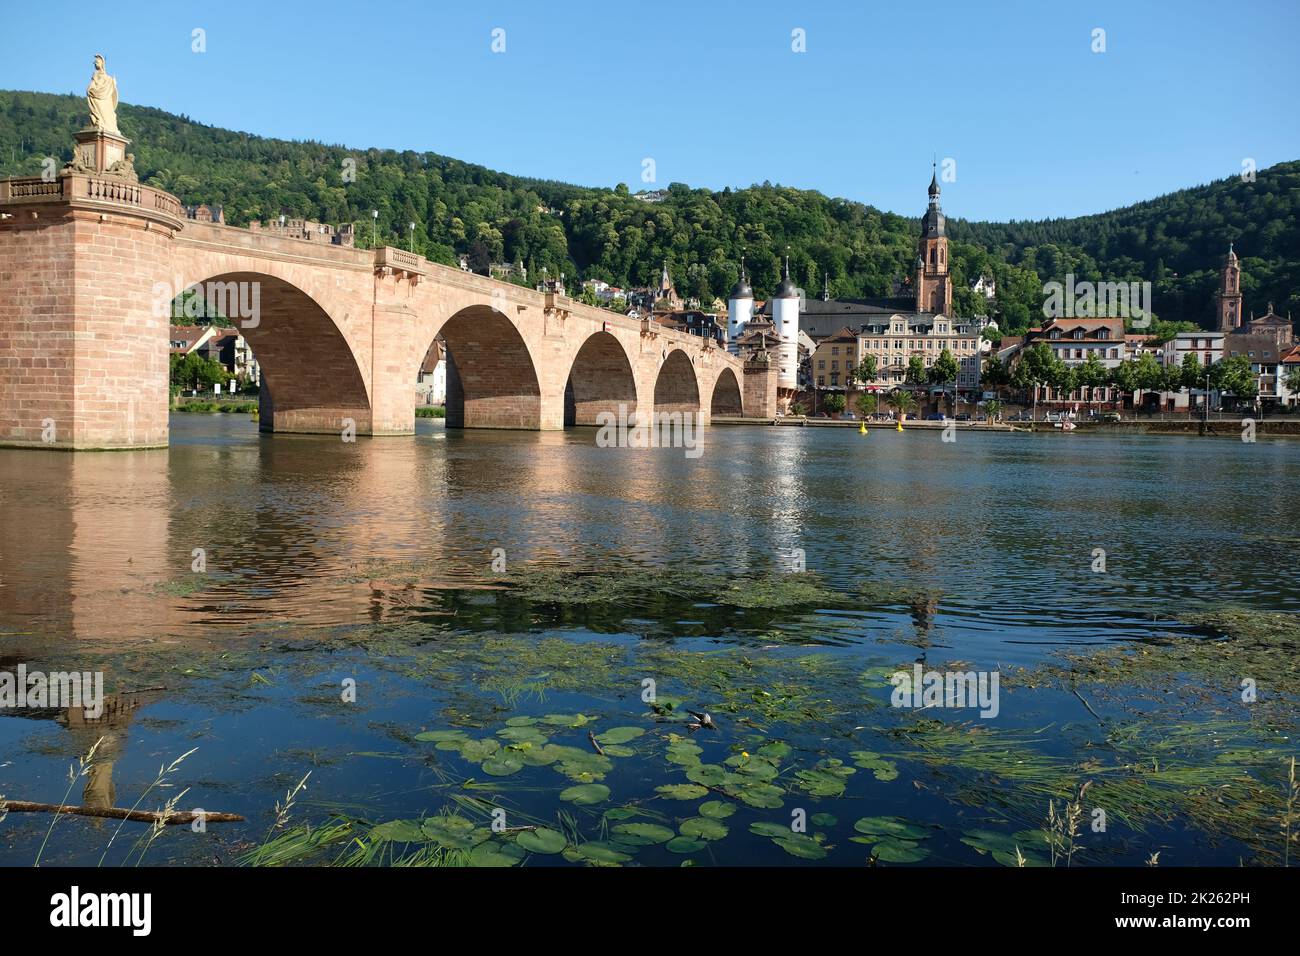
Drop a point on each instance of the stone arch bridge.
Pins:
(89, 265)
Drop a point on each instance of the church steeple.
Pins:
(1228, 300)
(933, 284)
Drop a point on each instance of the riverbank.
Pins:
(1213, 429)
(794, 422)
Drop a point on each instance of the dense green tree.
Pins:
(943, 372)
(1175, 242)
(194, 371)
(1235, 377)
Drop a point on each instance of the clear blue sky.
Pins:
(1038, 124)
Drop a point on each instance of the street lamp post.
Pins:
(410, 231)
(374, 224)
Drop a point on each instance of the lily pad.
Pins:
(684, 845)
(878, 765)
(399, 831)
(895, 827)
(684, 753)
(585, 767)
(477, 751)
(899, 851)
(716, 809)
(541, 840)
(585, 794)
(529, 735)
(602, 852)
(566, 720)
(703, 828)
(708, 774)
(503, 764)
(769, 829)
(802, 846)
(682, 791)
(495, 854)
(642, 833)
(765, 796)
(827, 779)
(1003, 846)
(620, 735)
(454, 833)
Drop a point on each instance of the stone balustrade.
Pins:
(93, 191)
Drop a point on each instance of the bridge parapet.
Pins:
(390, 260)
(26, 198)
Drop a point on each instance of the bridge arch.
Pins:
(600, 380)
(677, 386)
(726, 398)
(311, 379)
(491, 379)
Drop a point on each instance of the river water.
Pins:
(292, 606)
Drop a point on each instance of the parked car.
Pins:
(1110, 417)
(963, 417)
(1021, 417)
(936, 417)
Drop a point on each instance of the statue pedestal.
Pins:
(98, 149)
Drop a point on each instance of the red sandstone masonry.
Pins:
(341, 333)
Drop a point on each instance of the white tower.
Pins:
(785, 318)
(740, 310)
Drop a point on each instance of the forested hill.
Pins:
(1176, 241)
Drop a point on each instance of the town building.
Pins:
(1290, 367)
(1261, 349)
(431, 381)
(835, 360)
(1264, 341)
(694, 322)
(985, 286)
(915, 321)
(1072, 341)
(224, 345)
(894, 342)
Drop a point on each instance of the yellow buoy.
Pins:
(899, 426)
(862, 428)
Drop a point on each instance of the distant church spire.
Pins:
(933, 283)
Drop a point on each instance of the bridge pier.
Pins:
(83, 352)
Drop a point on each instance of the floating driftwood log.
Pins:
(175, 818)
